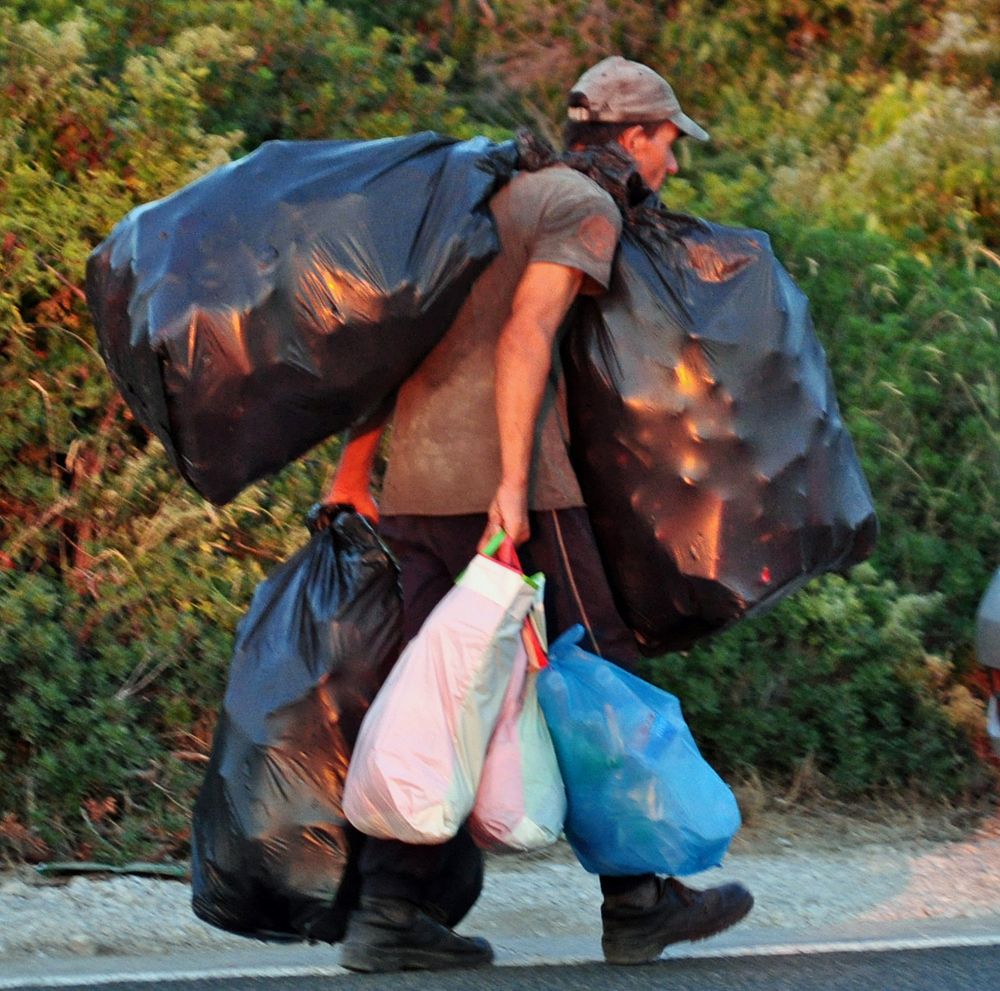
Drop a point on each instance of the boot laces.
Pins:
(685, 895)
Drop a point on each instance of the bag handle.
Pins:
(502, 548)
(538, 656)
(507, 553)
(495, 543)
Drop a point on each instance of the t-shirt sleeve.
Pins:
(578, 226)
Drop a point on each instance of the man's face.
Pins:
(654, 154)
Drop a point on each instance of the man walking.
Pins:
(479, 444)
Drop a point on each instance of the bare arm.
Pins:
(351, 484)
(524, 358)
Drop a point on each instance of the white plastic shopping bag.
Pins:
(521, 802)
(419, 756)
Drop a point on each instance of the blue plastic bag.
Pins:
(641, 797)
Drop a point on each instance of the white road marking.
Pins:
(846, 946)
(694, 953)
(152, 976)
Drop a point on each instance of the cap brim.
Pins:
(689, 127)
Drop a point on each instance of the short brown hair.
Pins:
(589, 133)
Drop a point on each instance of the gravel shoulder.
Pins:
(824, 868)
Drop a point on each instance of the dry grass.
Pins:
(803, 817)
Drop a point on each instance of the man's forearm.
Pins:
(352, 479)
(523, 363)
(524, 359)
(358, 456)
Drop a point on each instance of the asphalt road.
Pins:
(941, 969)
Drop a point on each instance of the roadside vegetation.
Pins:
(863, 135)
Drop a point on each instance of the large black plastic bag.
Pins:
(282, 297)
(705, 432)
(272, 855)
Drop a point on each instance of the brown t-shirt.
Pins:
(444, 450)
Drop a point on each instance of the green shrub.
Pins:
(120, 589)
(924, 169)
(70, 734)
(915, 349)
(838, 676)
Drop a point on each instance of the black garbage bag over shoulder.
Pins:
(718, 473)
(272, 854)
(284, 296)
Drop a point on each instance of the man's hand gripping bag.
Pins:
(272, 855)
(419, 757)
(641, 797)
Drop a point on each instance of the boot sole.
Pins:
(631, 954)
(380, 961)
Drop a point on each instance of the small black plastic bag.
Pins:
(718, 473)
(272, 855)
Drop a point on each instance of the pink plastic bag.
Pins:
(521, 802)
(419, 756)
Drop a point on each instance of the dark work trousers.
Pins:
(432, 551)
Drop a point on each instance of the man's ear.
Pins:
(630, 137)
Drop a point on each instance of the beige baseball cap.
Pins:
(617, 91)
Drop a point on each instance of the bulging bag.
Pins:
(283, 296)
(718, 473)
(641, 797)
(272, 856)
(419, 756)
(521, 801)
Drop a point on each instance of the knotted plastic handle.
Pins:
(507, 554)
(502, 547)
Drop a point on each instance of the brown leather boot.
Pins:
(639, 925)
(389, 934)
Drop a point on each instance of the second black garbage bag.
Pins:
(272, 855)
(282, 297)
(718, 473)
